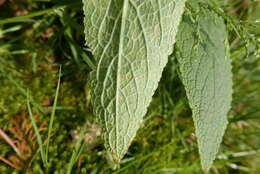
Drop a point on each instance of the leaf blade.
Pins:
(205, 69)
(131, 41)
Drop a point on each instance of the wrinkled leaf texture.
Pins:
(131, 41)
(205, 68)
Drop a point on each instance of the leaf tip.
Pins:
(206, 169)
(113, 160)
(206, 165)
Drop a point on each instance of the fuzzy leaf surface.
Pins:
(130, 40)
(205, 69)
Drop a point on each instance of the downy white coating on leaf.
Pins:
(205, 69)
(131, 41)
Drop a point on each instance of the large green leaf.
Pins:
(130, 40)
(205, 69)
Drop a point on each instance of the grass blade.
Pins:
(35, 14)
(38, 136)
(53, 115)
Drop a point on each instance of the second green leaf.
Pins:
(205, 68)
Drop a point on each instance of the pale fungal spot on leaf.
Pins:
(133, 36)
(157, 30)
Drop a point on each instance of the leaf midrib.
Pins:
(120, 54)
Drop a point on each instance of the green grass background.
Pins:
(39, 36)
